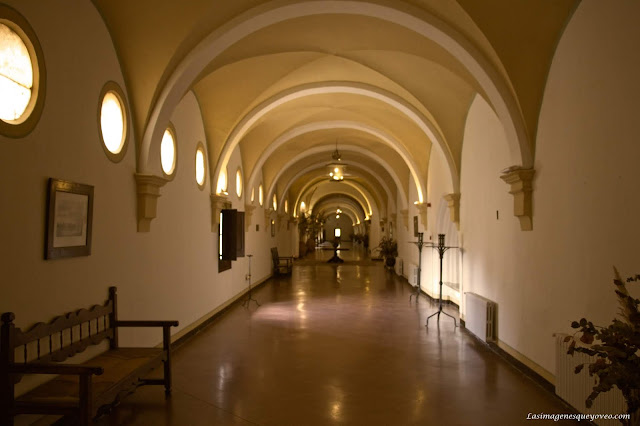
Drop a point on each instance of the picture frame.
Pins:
(273, 228)
(415, 226)
(69, 219)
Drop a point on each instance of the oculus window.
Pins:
(16, 75)
(201, 166)
(168, 152)
(222, 182)
(22, 75)
(239, 182)
(112, 119)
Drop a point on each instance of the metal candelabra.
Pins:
(249, 298)
(441, 250)
(420, 243)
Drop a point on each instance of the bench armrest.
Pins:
(146, 324)
(53, 368)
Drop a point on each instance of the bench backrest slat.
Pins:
(61, 323)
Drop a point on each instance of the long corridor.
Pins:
(336, 345)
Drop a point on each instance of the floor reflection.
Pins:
(336, 345)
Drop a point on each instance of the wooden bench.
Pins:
(281, 265)
(85, 390)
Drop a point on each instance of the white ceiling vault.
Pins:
(284, 80)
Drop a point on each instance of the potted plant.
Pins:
(616, 348)
(388, 249)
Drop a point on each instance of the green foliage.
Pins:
(616, 348)
(309, 225)
(388, 247)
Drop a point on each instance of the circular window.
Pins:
(112, 120)
(22, 75)
(168, 152)
(201, 166)
(260, 195)
(239, 182)
(222, 182)
(275, 202)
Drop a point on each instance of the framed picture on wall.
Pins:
(69, 219)
(273, 228)
(415, 226)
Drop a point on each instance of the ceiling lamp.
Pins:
(337, 169)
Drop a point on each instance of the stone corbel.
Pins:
(405, 218)
(422, 211)
(217, 204)
(248, 212)
(453, 200)
(383, 221)
(520, 181)
(148, 191)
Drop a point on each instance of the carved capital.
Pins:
(453, 201)
(422, 210)
(148, 191)
(248, 212)
(217, 204)
(404, 214)
(519, 180)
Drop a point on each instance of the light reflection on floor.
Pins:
(336, 345)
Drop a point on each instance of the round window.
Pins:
(112, 119)
(16, 75)
(168, 153)
(239, 182)
(222, 182)
(22, 75)
(201, 167)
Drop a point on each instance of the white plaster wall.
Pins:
(585, 191)
(439, 185)
(259, 242)
(406, 250)
(169, 273)
(65, 144)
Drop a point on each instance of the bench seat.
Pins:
(79, 391)
(120, 365)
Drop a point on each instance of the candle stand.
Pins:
(249, 298)
(441, 250)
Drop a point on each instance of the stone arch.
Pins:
(429, 26)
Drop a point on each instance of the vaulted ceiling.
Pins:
(387, 80)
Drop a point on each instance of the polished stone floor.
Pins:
(336, 345)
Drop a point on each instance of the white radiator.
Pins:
(412, 274)
(480, 318)
(399, 266)
(574, 388)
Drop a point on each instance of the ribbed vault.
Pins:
(282, 81)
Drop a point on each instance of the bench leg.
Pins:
(166, 339)
(86, 398)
